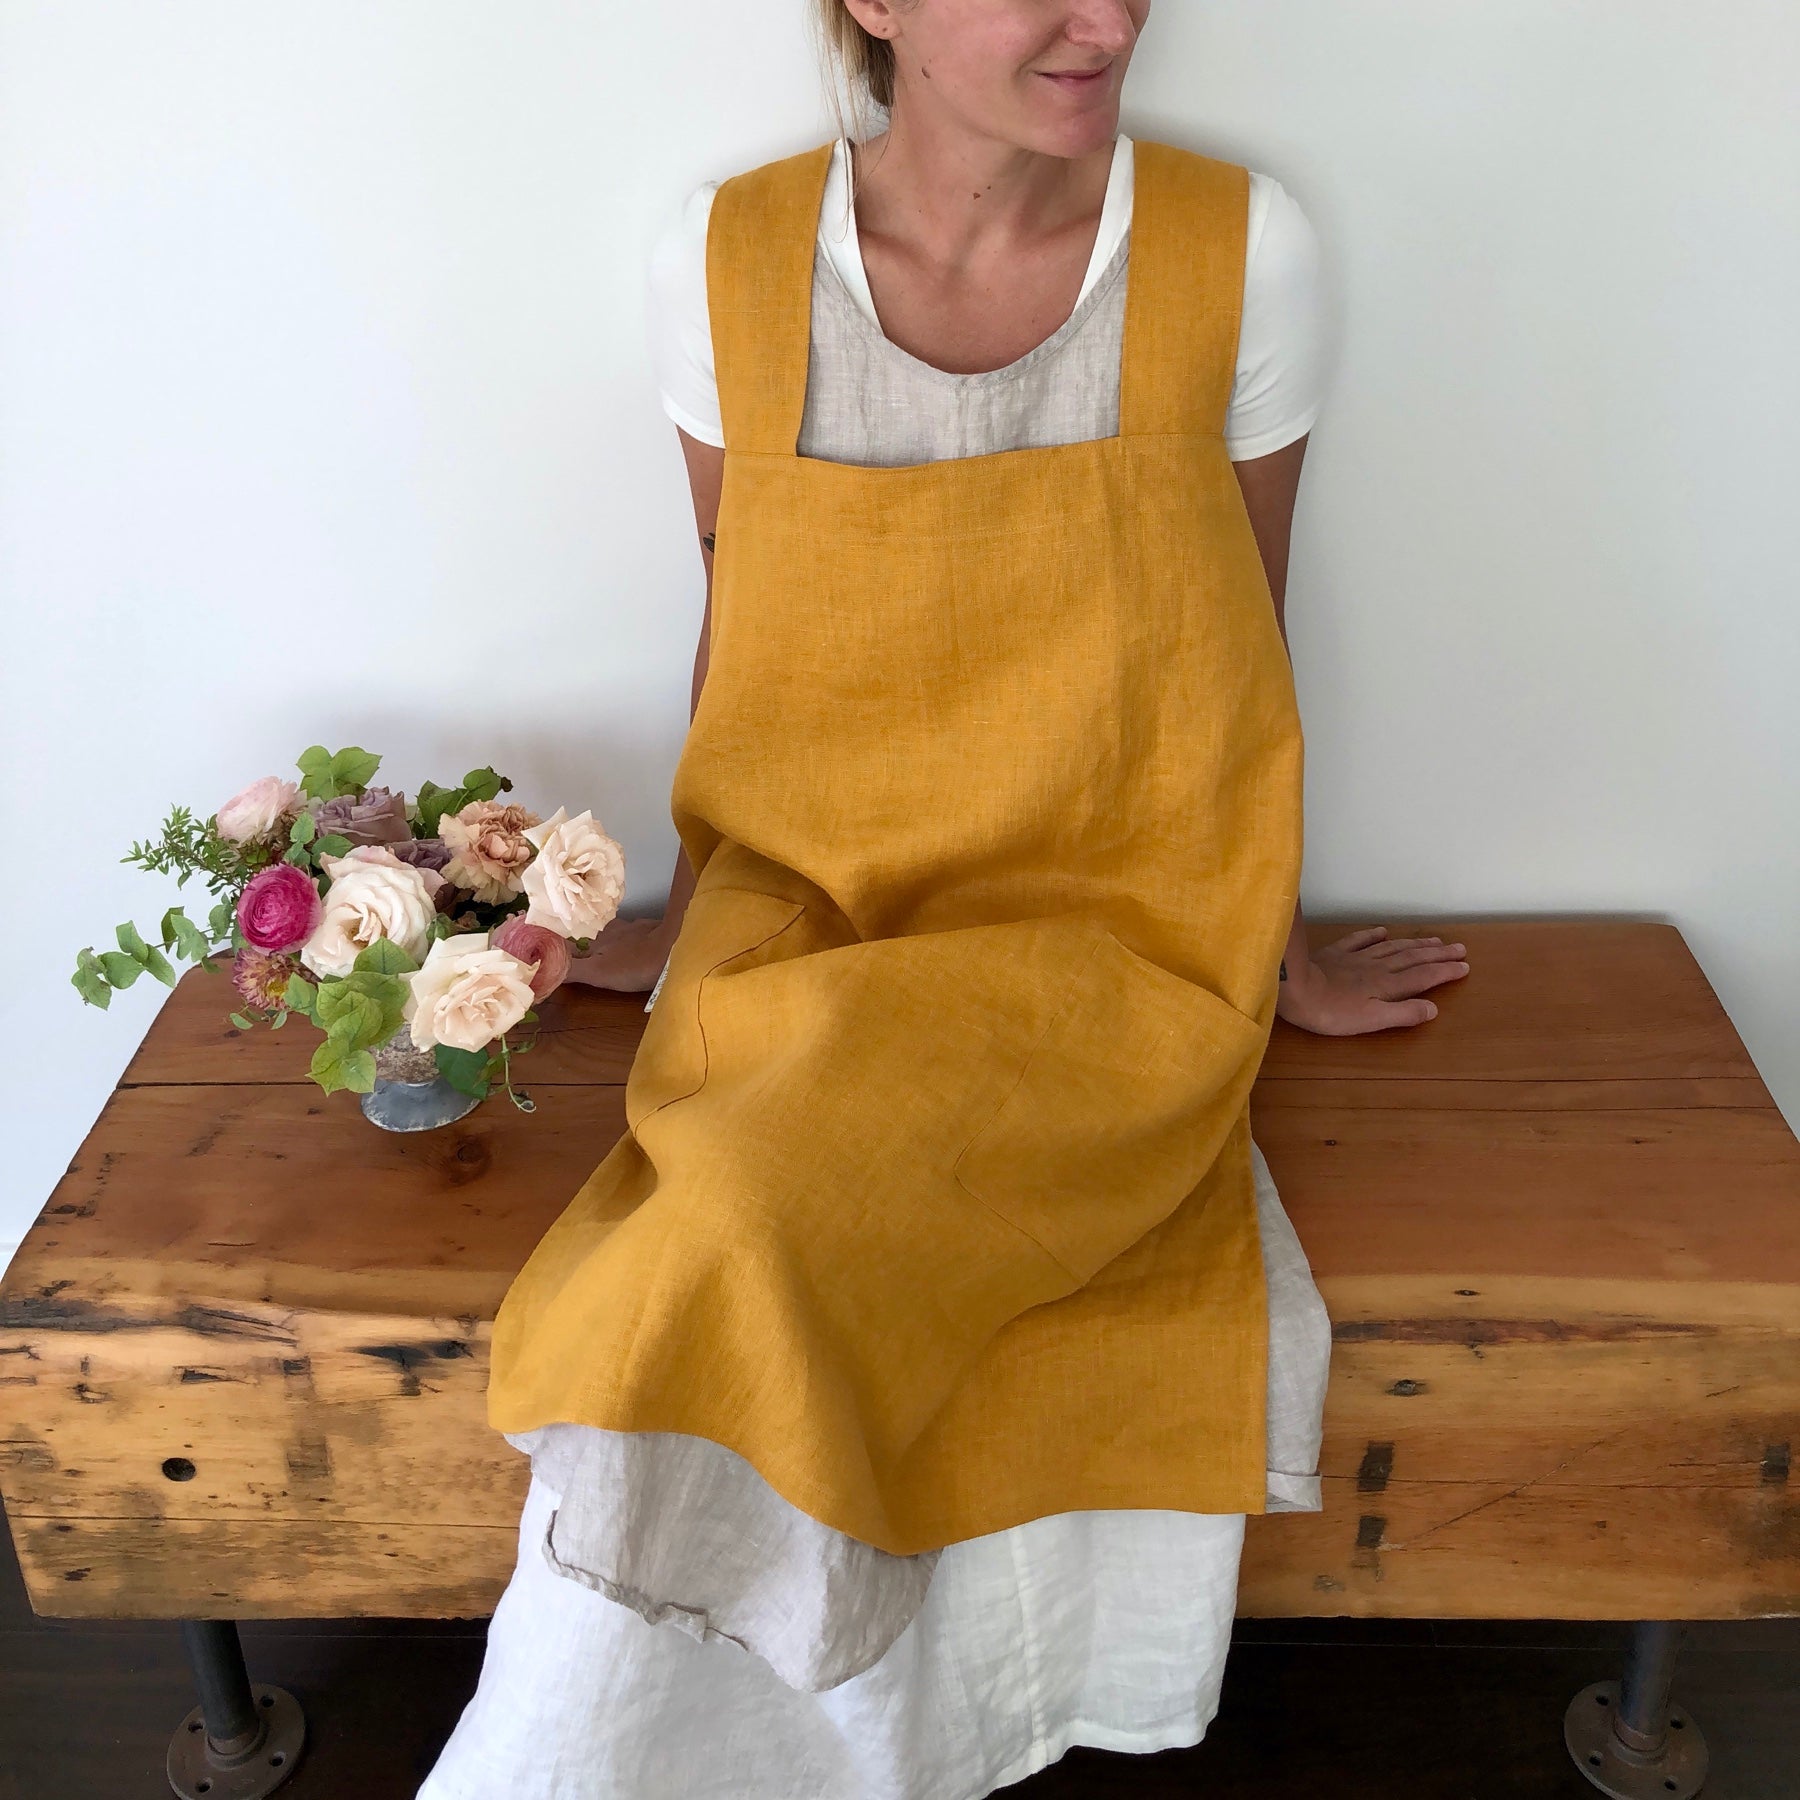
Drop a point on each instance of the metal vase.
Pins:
(409, 1093)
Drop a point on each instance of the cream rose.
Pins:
(488, 849)
(373, 894)
(257, 810)
(467, 994)
(577, 879)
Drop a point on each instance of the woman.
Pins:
(896, 1388)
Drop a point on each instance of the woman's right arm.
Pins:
(629, 954)
(706, 475)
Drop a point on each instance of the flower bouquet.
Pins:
(417, 938)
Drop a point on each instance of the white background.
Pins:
(324, 414)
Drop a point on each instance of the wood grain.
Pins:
(243, 1352)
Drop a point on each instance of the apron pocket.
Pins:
(721, 925)
(1121, 1107)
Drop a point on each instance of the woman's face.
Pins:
(1042, 74)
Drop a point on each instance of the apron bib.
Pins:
(935, 1201)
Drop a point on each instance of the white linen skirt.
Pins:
(1100, 1628)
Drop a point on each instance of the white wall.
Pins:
(324, 414)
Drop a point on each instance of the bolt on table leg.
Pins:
(1627, 1737)
(240, 1742)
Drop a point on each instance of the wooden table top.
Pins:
(1488, 1140)
(1555, 1228)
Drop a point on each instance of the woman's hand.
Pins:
(627, 956)
(1367, 982)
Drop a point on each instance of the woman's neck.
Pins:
(949, 198)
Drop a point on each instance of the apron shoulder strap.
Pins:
(1184, 296)
(759, 268)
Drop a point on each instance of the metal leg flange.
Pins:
(240, 1742)
(1627, 1737)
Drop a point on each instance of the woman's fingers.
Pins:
(1358, 940)
(1406, 1012)
(1400, 984)
(1416, 954)
(1393, 945)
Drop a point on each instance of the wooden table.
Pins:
(243, 1350)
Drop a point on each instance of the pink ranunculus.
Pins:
(279, 909)
(547, 951)
(256, 811)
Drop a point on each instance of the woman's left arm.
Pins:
(1366, 981)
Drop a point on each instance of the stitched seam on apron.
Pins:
(700, 989)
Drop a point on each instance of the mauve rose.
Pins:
(262, 979)
(422, 853)
(379, 817)
(548, 950)
(257, 810)
(279, 908)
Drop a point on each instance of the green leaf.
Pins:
(315, 773)
(466, 1070)
(90, 983)
(280, 1019)
(440, 927)
(433, 802)
(121, 970)
(242, 1023)
(130, 942)
(350, 1019)
(362, 1009)
(304, 829)
(158, 965)
(385, 957)
(332, 845)
(218, 921)
(181, 934)
(483, 784)
(354, 769)
(300, 855)
(333, 1067)
(303, 996)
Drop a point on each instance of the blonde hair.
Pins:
(858, 66)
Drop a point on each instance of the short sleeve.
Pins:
(1280, 381)
(679, 326)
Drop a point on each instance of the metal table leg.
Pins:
(1627, 1737)
(240, 1742)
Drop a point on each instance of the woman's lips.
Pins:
(1076, 80)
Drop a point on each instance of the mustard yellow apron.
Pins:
(935, 1201)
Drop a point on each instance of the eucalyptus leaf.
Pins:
(89, 983)
(242, 1023)
(180, 933)
(155, 963)
(121, 970)
(130, 942)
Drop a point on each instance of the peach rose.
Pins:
(467, 994)
(373, 894)
(577, 879)
(256, 811)
(488, 848)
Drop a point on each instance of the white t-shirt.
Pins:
(1275, 396)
